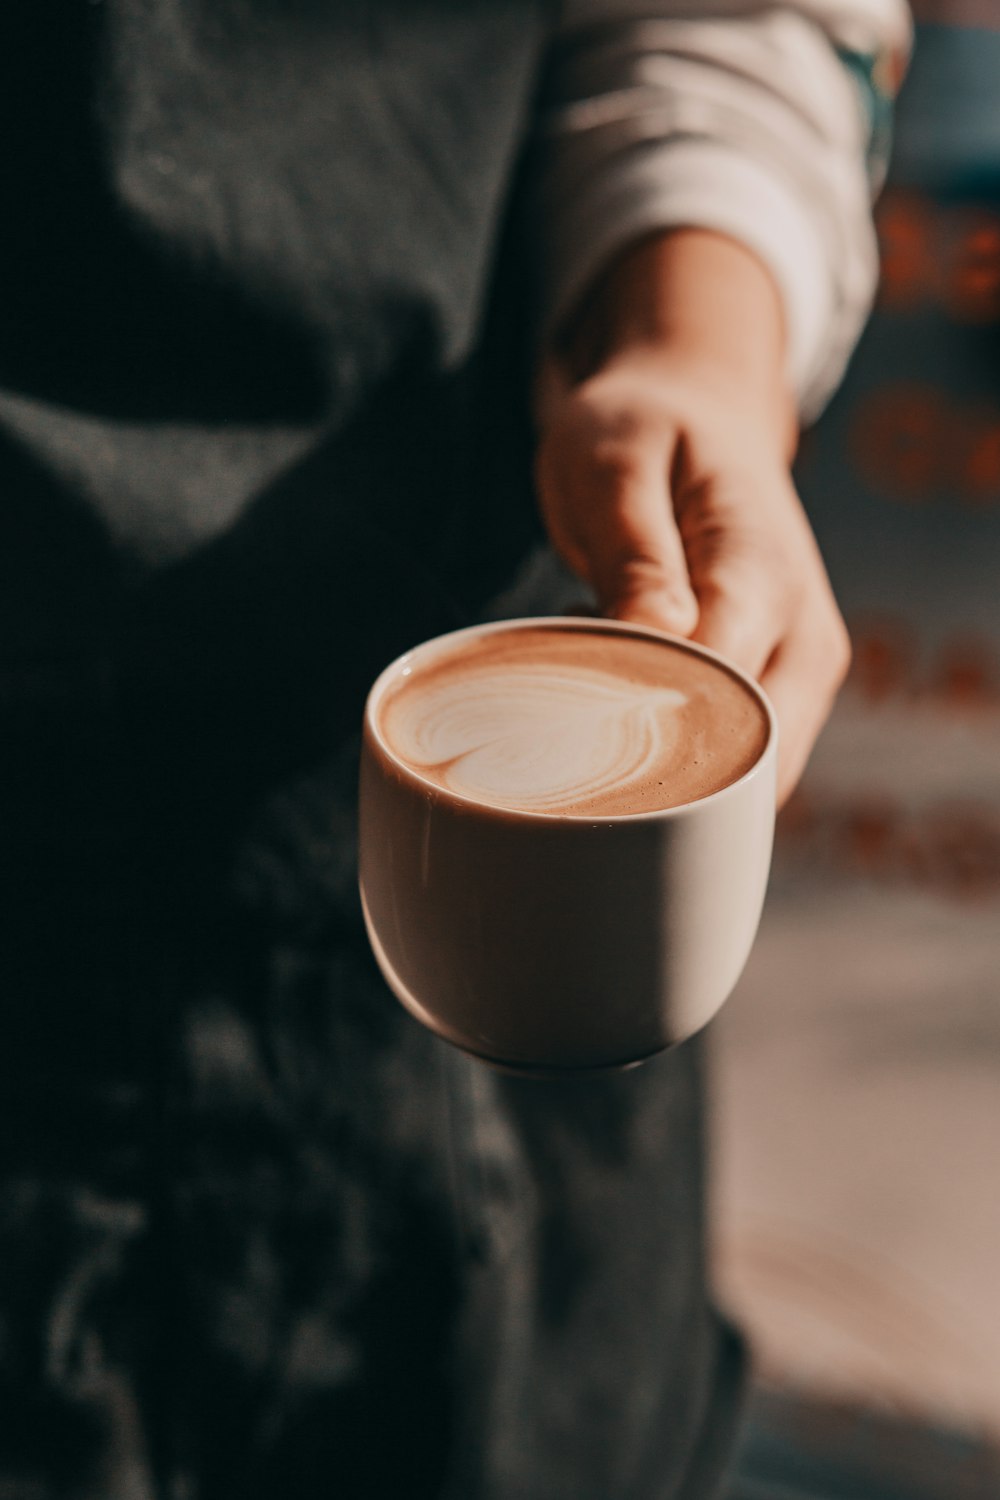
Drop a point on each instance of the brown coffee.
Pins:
(572, 720)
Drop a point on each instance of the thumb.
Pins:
(637, 565)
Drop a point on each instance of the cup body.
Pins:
(549, 943)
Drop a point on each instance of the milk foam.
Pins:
(574, 722)
(538, 738)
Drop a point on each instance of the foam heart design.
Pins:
(540, 739)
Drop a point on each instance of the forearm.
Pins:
(744, 120)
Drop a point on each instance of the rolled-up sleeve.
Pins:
(764, 123)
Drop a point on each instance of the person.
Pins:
(277, 283)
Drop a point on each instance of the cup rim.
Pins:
(583, 624)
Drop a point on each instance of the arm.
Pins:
(711, 263)
(765, 123)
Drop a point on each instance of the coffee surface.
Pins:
(577, 722)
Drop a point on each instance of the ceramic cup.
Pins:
(546, 943)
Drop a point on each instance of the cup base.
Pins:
(545, 1071)
(546, 1074)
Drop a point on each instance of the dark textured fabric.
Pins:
(244, 1273)
(229, 220)
(260, 1235)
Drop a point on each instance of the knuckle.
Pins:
(634, 575)
(640, 567)
(629, 574)
(616, 466)
(744, 559)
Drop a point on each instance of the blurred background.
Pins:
(857, 1089)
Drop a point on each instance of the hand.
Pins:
(663, 480)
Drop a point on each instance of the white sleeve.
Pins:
(761, 122)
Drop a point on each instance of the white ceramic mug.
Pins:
(546, 943)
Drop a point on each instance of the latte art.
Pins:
(538, 738)
(573, 722)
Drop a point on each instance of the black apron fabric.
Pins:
(261, 427)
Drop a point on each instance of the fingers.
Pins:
(799, 654)
(619, 532)
(802, 680)
(766, 605)
(682, 519)
(742, 607)
(641, 575)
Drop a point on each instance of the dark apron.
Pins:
(262, 376)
